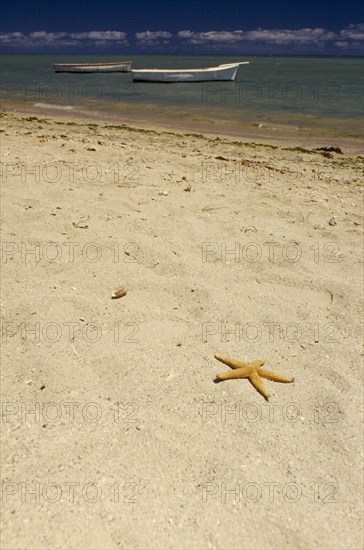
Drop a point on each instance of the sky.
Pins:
(296, 27)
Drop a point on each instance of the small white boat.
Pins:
(115, 67)
(221, 72)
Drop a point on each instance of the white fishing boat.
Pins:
(221, 72)
(114, 67)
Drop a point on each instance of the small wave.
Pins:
(54, 106)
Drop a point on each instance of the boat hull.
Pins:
(123, 67)
(222, 72)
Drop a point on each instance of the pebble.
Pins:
(332, 222)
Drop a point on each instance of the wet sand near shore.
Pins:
(147, 117)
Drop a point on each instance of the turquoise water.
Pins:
(320, 93)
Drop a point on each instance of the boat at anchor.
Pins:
(221, 72)
(114, 67)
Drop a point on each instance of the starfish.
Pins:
(252, 371)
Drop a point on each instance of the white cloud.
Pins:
(354, 32)
(47, 36)
(210, 36)
(263, 40)
(221, 36)
(185, 34)
(99, 35)
(152, 35)
(11, 37)
(300, 36)
(284, 36)
(39, 39)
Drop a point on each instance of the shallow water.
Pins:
(323, 94)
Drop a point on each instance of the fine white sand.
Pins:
(110, 413)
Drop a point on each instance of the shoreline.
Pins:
(279, 135)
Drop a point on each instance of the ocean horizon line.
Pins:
(187, 54)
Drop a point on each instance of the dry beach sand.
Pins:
(114, 433)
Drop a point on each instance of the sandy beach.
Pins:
(114, 432)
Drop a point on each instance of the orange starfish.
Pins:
(252, 371)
